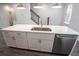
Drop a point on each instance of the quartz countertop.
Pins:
(55, 29)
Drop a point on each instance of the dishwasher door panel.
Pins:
(63, 45)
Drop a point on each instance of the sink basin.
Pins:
(40, 29)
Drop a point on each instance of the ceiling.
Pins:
(50, 4)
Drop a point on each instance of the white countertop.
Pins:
(55, 29)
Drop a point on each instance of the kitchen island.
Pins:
(21, 36)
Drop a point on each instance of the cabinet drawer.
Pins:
(20, 34)
(40, 36)
(9, 33)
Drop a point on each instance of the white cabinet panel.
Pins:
(34, 44)
(16, 39)
(9, 39)
(46, 45)
(41, 42)
(36, 41)
(21, 40)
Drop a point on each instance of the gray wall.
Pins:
(74, 23)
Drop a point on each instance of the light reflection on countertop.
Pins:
(55, 29)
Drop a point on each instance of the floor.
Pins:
(76, 50)
(7, 51)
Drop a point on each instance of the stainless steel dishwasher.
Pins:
(63, 43)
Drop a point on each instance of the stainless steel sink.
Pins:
(40, 29)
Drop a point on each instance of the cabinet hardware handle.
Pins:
(39, 41)
(13, 38)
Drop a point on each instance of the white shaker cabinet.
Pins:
(21, 40)
(47, 45)
(34, 44)
(16, 39)
(33, 41)
(9, 38)
(41, 41)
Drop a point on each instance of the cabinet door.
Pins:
(46, 45)
(34, 44)
(21, 40)
(9, 38)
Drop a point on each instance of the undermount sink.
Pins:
(40, 29)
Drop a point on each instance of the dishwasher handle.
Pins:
(65, 37)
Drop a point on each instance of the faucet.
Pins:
(41, 23)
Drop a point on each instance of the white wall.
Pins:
(74, 23)
(23, 16)
(56, 15)
(3, 17)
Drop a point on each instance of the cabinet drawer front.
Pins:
(41, 36)
(9, 33)
(20, 34)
